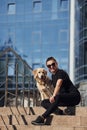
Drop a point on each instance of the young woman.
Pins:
(65, 93)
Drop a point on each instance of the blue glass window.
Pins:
(36, 37)
(35, 65)
(36, 40)
(64, 4)
(47, 5)
(11, 8)
(37, 6)
(63, 36)
(11, 67)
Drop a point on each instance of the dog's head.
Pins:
(40, 73)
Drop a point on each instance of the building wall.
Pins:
(81, 41)
(37, 29)
(81, 52)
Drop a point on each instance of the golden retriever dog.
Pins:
(43, 83)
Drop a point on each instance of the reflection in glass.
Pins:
(11, 8)
(37, 6)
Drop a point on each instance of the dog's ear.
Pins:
(34, 72)
(45, 72)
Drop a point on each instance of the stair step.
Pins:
(52, 120)
(21, 110)
(45, 127)
(79, 111)
(14, 110)
(19, 118)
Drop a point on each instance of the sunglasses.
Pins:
(49, 66)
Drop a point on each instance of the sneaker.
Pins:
(39, 121)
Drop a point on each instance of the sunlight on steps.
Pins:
(19, 118)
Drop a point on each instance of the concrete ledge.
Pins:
(79, 111)
(19, 118)
(28, 127)
(52, 120)
(21, 110)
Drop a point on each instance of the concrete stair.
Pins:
(19, 118)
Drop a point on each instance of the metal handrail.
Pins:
(17, 93)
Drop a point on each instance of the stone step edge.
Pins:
(39, 127)
(53, 120)
(34, 110)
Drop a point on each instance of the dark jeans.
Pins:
(64, 99)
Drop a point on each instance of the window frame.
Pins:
(37, 2)
(9, 8)
(63, 8)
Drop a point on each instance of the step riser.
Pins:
(21, 110)
(28, 127)
(53, 120)
(80, 111)
(19, 118)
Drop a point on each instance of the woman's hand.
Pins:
(52, 99)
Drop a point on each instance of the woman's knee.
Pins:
(45, 103)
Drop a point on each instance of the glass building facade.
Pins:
(81, 48)
(30, 32)
(81, 41)
(37, 29)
